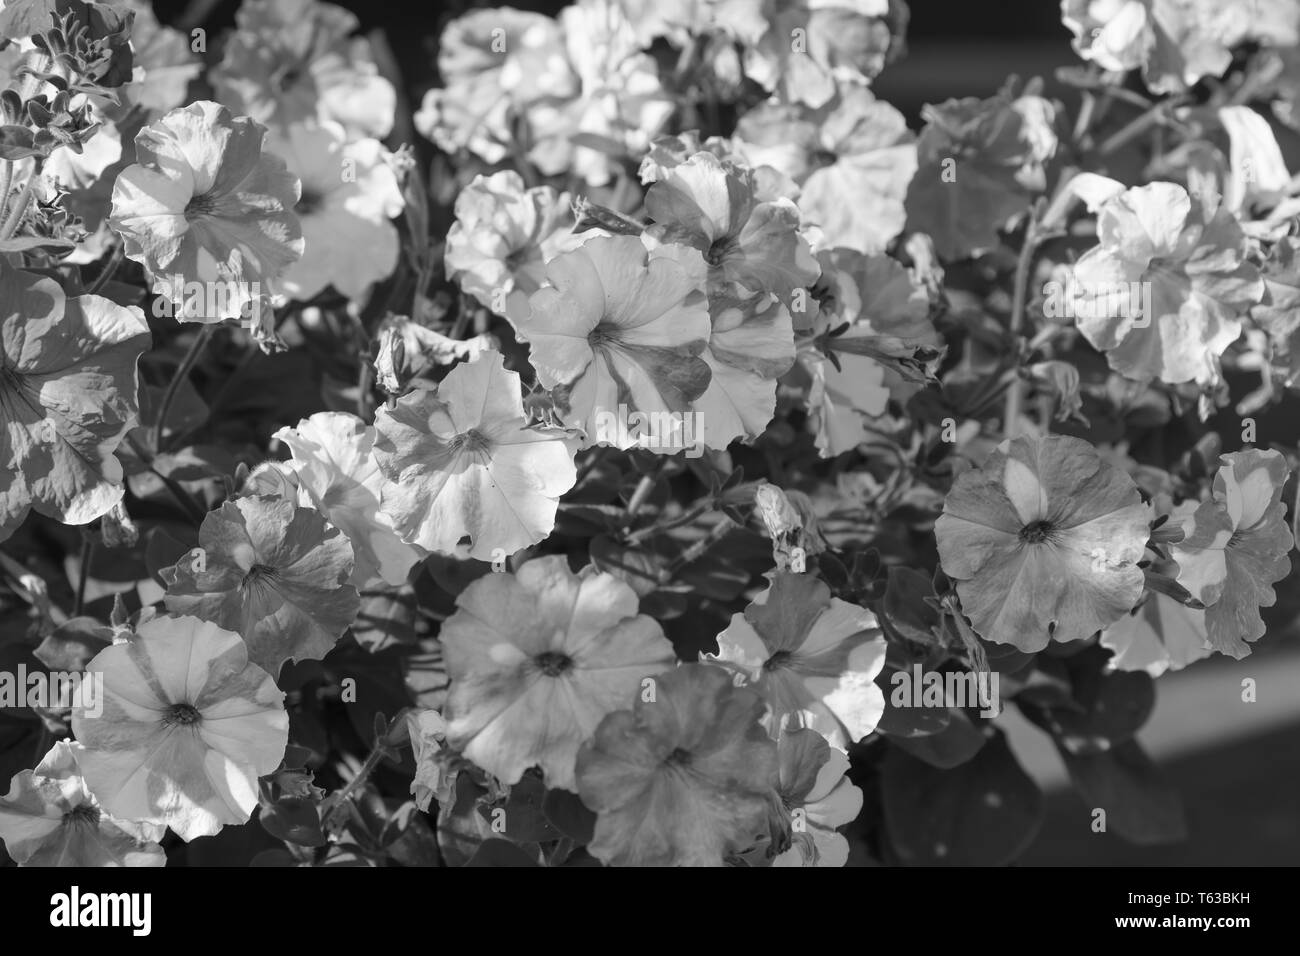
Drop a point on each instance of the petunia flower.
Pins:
(1159, 635)
(349, 198)
(537, 659)
(67, 398)
(980, 163)
(503, 236)
(205, 204)
(620, 101)
(810, 47)
(1176, 43)
(711, 206)
(272, 571)
(164, 63)
(1164, 291)
(811, 657)
(290, 61)
(816, 798)
(1236, 546)
(750, 347)
(465, 461)
(1043, 541)
(335, 472)
(684, 778)
(856, 145)
(493, 64)
(620, 326)
(428, 734)
(188, 726)
(50, 818)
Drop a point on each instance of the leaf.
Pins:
(1140, 806)
(984, 813)
(1109, 707)
(17, 142)
(501, 853)
(73, 643)
(522, 814)
(955, 742)
(568, 814)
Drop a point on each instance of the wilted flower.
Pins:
(537, 658)
(206, 205)
(50, 818)
(273, 572)
(503, 236)
(618, 325)
(348, 198)
(465, 461)
(406, 349)
(1236, 546)
(67, 398)
(189, 724)
(1043, 541)
(1164, 291)
(336, 473)
(295, 60)
(813, 658)
(684, 778)
(880, 316)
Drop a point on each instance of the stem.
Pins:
(6, 183)
(1020, 294)
(182, 373)
(107, 272)
(83, 574)
(1138, 126)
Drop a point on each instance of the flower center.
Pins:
(553, 663)
(309, 202)
(718, 251)
(472, 441)
(86, 813)
(778, 660)
(822, 157)
(182, 714)
(203, 205)
(1036, 532)
(600, 335)
(678, 758)
(256, 573)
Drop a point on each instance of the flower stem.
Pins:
(6, 183)
(1020, 294)
(107, 272)
(182, 373)
(83, 574)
